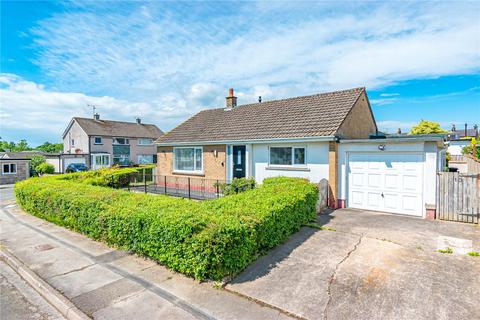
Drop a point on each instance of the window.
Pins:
(122, 141)
(102, 160)
(98, 140)
(73, 142)
(188, 159)
(287, 156)
(145, 158)
(145, 142)
(121, 159)
(9, 168)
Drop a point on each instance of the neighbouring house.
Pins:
(323, 137)
(457, 140)
(15, 166)
(107, 142)
(460, 138)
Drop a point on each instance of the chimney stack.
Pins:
(231, 100)
(465, 129)
(399, 131)
(259, 99)
(453, 127)
(96, 116)
(139, 121)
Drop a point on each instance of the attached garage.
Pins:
(396, 175)
(391, 182)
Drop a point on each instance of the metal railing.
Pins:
(185, 187)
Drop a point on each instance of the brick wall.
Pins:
(214, 167)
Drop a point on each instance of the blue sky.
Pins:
(164, 61)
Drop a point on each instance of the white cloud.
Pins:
(166, 60)
(29, 107)
(145, 51)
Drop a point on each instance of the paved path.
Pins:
(374, 266)
(111, 284)
(19, 301)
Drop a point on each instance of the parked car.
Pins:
(76, 167)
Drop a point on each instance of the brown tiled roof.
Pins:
(309, 116)
(118, 128)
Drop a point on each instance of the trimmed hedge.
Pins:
(209, 239)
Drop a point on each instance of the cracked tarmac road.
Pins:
(375, 266)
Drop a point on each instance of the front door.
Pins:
(239, 168)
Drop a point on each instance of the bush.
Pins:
(209, 239)
(45, 168)
(237, 185)
(35, 161)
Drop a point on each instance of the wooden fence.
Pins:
(458, 197)
(473, 165)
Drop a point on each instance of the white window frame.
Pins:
(9, 164)
(94, 164)
(195, 170)
(97, 143)
(127, 141)
(145, 144)
(293, 157)
(145, 155)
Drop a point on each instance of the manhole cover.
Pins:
(458, 245)
(44, 247)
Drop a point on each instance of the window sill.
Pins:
(190, 173)
(287, 168)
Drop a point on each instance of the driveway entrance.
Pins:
(374, 266)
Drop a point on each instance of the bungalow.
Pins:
(330, 136)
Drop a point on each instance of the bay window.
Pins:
(188, 159)
(287, 156)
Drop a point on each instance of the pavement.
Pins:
(361, 265)
(373, 266)
(105, 283)
(20, 301)
(6, 192)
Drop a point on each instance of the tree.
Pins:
(35, 161)
(427, 127)
(50, 147)
(22, 145)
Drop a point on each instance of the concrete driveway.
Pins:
(374, 266)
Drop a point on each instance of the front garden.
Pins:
(203, 239)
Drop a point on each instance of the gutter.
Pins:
(424, 138)
(251, 141)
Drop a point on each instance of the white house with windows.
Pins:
(330, 136)
(106, 142)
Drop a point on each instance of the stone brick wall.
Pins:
(214, 167)
(23, 172)
(360, 122)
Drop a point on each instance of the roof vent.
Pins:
(259, 99)
(96, 116)
(139, 121)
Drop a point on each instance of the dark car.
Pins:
(76, 167)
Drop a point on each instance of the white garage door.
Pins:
(386, 182)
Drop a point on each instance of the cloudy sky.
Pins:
(164, 61)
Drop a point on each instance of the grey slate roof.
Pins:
(112, 128)
(309, 116)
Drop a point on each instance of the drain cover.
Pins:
(44, 247)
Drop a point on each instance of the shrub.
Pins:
(237, 185)
(209, 239)
(45, 168)
(34, 162)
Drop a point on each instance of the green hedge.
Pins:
(209, 239)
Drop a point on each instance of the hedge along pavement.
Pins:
(206, 240)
